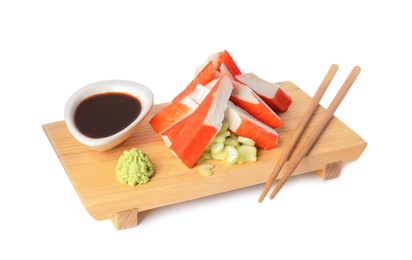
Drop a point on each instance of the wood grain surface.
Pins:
(92, 173)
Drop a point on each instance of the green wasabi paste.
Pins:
(134, 167)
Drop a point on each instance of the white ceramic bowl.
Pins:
(143, 94)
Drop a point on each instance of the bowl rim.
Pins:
(143, 93)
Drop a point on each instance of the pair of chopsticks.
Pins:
(314, 135)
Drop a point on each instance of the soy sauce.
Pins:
(105, 114)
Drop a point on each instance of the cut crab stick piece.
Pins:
(243, 124)
(185, 102)
(273, 95)
(200, 92)
(172, 113)
(189, 138)
(219, 59)
(206, 75)
(180, 109)
(244, 97)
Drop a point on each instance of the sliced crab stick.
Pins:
(206, 75)
(189, 138)
(273, 95)
(243, 124)
(200, 92)
(244, 97)
(180, 109)
(219, 59)
(172, 113)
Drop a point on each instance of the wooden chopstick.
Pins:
(320, 126)
(299, 129)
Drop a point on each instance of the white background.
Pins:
(49, 49)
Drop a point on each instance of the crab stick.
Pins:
(206, 75)
(200, 92)
(219, 60)
(181, 107)
(244, 97)
(172, 113)
(189, 138)
(273, 95)
(243, 124)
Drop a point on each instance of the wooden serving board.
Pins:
(92, 173)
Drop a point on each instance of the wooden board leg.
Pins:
(125, 219)
(331, 170)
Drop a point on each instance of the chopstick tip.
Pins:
(262, 196)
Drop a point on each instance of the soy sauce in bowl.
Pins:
(105, 114)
